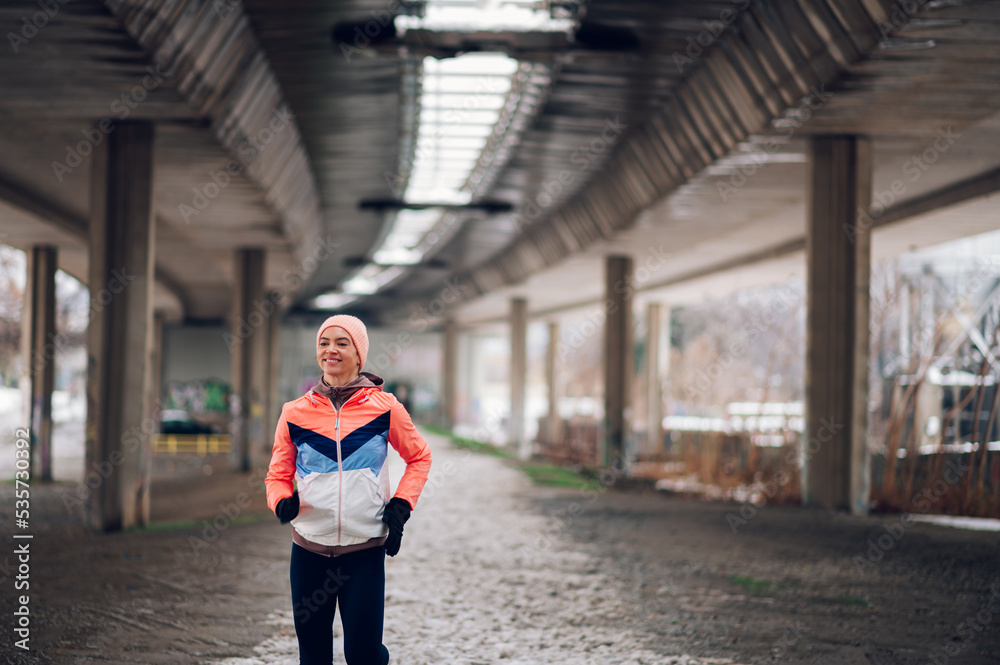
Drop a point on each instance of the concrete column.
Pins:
(835, 474)
(617, 360)
(449, 384)
(120, 334)
(518, 374)
(554, 434)
(654, 380)
(475, 413)
(249, 346)
(39, 346)
(272, 406)
(156, 363)
(155, 404)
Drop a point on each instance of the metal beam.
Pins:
(491, 207)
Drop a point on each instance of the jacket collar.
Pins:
(338, 395)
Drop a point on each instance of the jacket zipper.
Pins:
(340, 466)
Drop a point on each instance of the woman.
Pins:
(333, 442)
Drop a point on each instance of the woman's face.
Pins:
(337, 356)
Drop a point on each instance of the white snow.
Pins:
(970, 523)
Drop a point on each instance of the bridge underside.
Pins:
(218, 162)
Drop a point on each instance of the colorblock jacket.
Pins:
(337, 458)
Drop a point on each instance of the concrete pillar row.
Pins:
(450, 383)
(250, 348)
(554, 433)
(272, 404)
(617, 360)
(39, 347)
(120, 341)
(835, 456)
(518, 375)
(654, 379)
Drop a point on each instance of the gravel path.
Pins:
(482, 578)
(496, 570)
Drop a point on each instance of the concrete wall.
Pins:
(192, 352)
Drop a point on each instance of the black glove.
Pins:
(397, 511)
(288, 508)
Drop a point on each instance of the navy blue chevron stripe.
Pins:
(317, 442)
(362, 435)
(348, 444)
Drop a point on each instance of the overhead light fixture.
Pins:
(492, 207)
(462, 117)
(526, 29)
(462, 93)
(333, 300)
(494, 17)
(371, 278)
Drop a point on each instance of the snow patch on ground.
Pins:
(971, 523)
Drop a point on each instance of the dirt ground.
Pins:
(495, 570)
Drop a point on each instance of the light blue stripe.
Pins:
(371, 455)
(309, 460)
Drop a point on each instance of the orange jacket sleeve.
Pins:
(281, 472)
(406, 440)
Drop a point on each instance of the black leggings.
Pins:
(357, 581)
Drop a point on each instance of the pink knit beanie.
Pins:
(354, 327)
